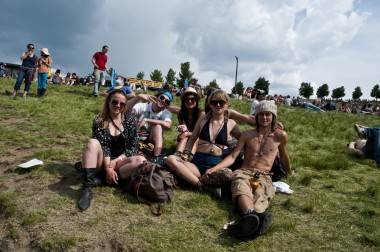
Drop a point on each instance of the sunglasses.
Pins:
(190, 99)
(218, 102)
(31, 48)
(117, 103)
(164, 100)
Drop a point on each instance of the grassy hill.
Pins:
(335, 206)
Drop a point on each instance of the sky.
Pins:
(287, 42)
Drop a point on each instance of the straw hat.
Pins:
(45, 51)
(190, 90)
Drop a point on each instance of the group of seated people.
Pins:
(208, 143)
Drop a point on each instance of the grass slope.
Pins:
(335, 206)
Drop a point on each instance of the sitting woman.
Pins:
(188, 115)
(112, 152)
(213, 131)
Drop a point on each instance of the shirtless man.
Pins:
(252, 187)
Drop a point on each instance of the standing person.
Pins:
(252, 188)
(43, 63)
(112, 152)
(27, 69)
(99, 60)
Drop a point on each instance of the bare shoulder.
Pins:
(249, 134)
(231, 123)
(281, 136)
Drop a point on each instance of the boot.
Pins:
(38, 92)
(98, 180)
(89, 182)
(43, 91)
(266, 219)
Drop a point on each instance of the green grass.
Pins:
(335, 205)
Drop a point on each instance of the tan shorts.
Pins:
(261, 197)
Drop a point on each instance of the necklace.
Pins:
(213, 148)
(263, 138)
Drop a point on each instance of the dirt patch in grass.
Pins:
(13, 157)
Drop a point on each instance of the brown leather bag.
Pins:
(152, 184)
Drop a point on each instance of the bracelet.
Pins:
(187, 155)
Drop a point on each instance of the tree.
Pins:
(262, 84)
(140, 75)
(323, 91)
(156, 75)
(357, 93)
(213, 84)
(184, 74)
(170, 77)
(238, 88)
(338, 92)
(306, 90)
(375, 92)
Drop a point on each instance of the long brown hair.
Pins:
(272, 126)
(183, 116)
(104, 118)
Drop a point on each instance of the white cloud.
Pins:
(277, 41)
(286, 42)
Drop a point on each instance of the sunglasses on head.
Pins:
(116, 103)
(218, 102)
(164, 100)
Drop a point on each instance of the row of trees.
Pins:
(261, 84)
(184, 75)
(306, 90)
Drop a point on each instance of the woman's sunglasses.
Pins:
(218, 102)
(190, 99)
(164, 100)
(117, 103)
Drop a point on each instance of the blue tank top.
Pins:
(30, 61)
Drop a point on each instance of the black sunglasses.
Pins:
(164, 100)
(190, 99)
(218, 102)
(30, 47)
(115, 103)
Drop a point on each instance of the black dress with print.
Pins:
(125, 143)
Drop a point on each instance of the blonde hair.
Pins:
(220, 95)
(104, 118)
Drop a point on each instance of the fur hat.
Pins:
(266, 106)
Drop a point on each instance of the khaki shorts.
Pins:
(263, 194)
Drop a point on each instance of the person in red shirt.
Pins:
(99, 60)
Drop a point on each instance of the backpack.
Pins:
(151, 184)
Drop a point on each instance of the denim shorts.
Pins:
(205, 161)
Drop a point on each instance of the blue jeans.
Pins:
(26, 74)
(42, 80)
(372, 147)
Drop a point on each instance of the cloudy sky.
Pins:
(287, 42)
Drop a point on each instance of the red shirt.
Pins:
(100, 60)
